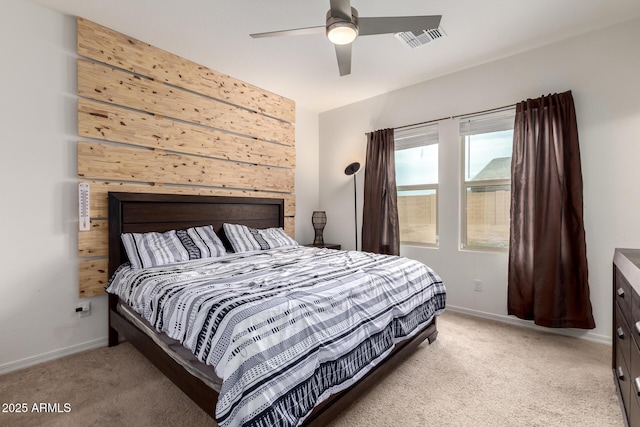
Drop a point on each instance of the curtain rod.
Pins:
(457, 116)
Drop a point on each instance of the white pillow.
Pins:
(155, 249)
(245, 239)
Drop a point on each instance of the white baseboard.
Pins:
(576, 333)
(51, 355)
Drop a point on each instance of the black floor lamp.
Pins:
(353, 169)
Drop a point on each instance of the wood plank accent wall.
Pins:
(154, 122)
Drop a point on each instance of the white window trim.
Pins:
(501, 120)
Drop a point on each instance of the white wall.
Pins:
(601, 71)
(39, 279)
(39, 214)
(307, 166)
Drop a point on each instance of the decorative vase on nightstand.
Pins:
(319, 220)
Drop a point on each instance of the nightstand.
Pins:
(325, 245)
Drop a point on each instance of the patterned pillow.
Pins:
(245, 239)
(155, 249)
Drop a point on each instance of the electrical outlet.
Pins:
(477, 285)
(84, 309)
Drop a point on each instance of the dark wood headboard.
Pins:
(144, 212)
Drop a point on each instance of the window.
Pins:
(487, 143)
(416, 156)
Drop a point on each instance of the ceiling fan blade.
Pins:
(294, 32)
(397, 24)
(341, 9)
(343, 52)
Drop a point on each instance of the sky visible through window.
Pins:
(419, 165)
(484, 147)
(416, 166)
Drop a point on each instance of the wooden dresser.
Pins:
(626, 330)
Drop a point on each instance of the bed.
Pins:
(142, 212)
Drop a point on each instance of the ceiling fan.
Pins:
(344, 25)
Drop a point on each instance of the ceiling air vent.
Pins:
(420, 38)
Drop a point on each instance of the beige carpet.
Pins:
(477, 373)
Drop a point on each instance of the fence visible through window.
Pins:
(416, 156)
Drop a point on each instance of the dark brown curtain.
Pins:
(548, 275)
(380, 229)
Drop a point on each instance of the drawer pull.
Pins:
(636, 382)
(620, 373)
(637, 326)
(621, 292)
(620, 332)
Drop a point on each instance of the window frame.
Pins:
(466, 185)
(430, 127)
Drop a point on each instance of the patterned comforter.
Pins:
(284, 328)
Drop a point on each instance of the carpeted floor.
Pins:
(477, 373)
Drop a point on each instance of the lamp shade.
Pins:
(352, 168)
(319, 220)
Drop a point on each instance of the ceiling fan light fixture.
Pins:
(342, 32)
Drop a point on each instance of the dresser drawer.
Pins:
(622, 336)
(623, 294)
(633, 415)
(634, 387)
(624, 380)
(634, 321)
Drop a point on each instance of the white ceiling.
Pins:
(215, 33)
